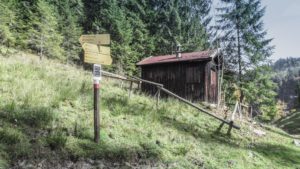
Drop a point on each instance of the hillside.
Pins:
(46, 121)
(290, 123)
(286, 75)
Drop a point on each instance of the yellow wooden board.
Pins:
(91, 48)
(97, 58)
(104, 50)
(92, 54)
(98, 39)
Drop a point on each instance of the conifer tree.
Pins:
(7, 21)
(260, 92)
(242, 27)
(70, 15)
(172, 22)
(37, 28)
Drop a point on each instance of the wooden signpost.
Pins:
(96, 53)
(100, 39)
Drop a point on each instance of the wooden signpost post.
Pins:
(96, 53)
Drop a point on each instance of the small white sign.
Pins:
(97, 73)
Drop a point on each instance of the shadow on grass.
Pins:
(286, 118)
(280, 133)
(291, 123)
(204, 132)
(115, 152)
(280, 154)
(121, 105)
(37, 117)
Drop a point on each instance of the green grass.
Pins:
(47, 107)
(290, 123)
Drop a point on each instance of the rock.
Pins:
(90, 161)
(251, 155)
(231, 163)
(259, 132)
(213, 106)
(297, 143)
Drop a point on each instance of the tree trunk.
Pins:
(239, 55)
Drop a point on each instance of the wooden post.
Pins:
(96, 78)
(220, 127)
(230, 127)
(157, 97)
(139, 85)
(130, 89)
(96, 112)
(240, 111)
(234, 111)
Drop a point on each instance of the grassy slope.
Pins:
(46, 109)
(290, 123)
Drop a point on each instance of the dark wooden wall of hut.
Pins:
(191, 80)
(211, 87)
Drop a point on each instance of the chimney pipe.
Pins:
(178, 51)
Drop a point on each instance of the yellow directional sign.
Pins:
(97, 59)
(104, 50)
(91, 48)
(97, 55)
(99, 39)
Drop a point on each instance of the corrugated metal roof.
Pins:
(202, 55)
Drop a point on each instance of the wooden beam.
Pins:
(230, 123)
(115, 76)
(148, 82)
(160, 86)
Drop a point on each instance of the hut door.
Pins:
(213, 86)
(193, 83)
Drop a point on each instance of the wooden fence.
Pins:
(160, 87)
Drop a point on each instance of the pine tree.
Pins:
(7, 21)
(260, 92)
(37, 28)
(195, 20)
(243, 32)
(172, 22)
(130, 40)
(70, 15)
(44, 35)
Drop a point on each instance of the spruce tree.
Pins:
(241, 23)
(7, 21)
(44, 36)
(260, 92)
(172, 22)
(37, 28)
(70, 15)
(194, 27)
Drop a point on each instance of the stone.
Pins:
(259, 132)
(297, 143)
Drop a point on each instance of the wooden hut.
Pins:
(193, 76)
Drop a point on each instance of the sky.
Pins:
(282, 22)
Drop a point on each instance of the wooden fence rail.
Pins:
(199, 108)
(115, 76)
(161, 88)
(148, 82)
